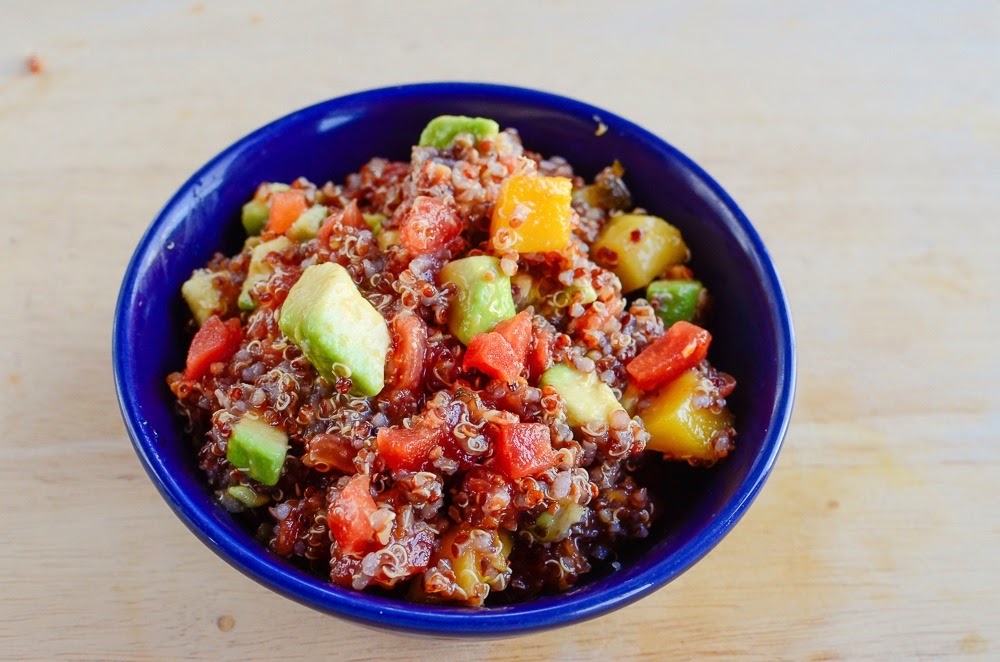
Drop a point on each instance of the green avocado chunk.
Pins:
(587, 398)
(247, 496)
(526, 290)
(484, 296)
(374, 222)
(588, 294)
(306, 226)
(336, 328)
(255, 215)
(257, 449)
(550, 527)
(260, 269)
(441, 131)
(386, 238)
(675, 300)
(201, 295)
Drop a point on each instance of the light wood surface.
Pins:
(863, 139)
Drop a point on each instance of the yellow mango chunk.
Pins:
(677, 428)
(536, 213)
(554, 526)
(638, 248)
(202, 296)
(478, 558)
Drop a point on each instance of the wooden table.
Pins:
(863, 141)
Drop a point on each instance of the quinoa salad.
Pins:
(450, 379)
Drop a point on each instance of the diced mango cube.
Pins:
(479, 560)
(202, 296)
(677, 428)
(550, 527)
(536, 213)
(638, 248)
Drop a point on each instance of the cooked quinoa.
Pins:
(459, 478)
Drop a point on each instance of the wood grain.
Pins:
(862, 138)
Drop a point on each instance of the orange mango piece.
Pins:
(536, 211)
(679, 429)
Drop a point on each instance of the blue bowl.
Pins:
(751, 327)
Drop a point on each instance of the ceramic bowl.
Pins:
(751, 327)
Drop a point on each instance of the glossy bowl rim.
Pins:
(539, 614)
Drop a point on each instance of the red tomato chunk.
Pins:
(350, 217)
(406, 449)
(683, 347)
(523, 449)
(215, 341)
(428, 225)
(405, 368)
(517, 332)
(349, 516)
(492, 355)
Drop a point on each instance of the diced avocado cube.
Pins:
(582, 292)
(526, 290)
(587, 398)
(255, 215)
(675, 300)
(484, 296)
(256, 212)
(336, 328)
(258, 449)
(387, 238)
(307, 224)
(374, 222)
(441, 131)
(260, 269)
(550, 527)
(247, 496)
(201, 295)
(638, 248)
(677, 427)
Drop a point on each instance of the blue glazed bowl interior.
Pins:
(752, 336)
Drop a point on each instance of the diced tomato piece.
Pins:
(523, 449)
(492, 355)
(215, 341)
(349, 516)
(327, 228)
(684, 346)
(405, 367)
(428, 225)
(329, 451)
(517, 332)
(353, 217)
(540, 358)
(288, 533)
(350, 216)
(406, 449)
(286, 207)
